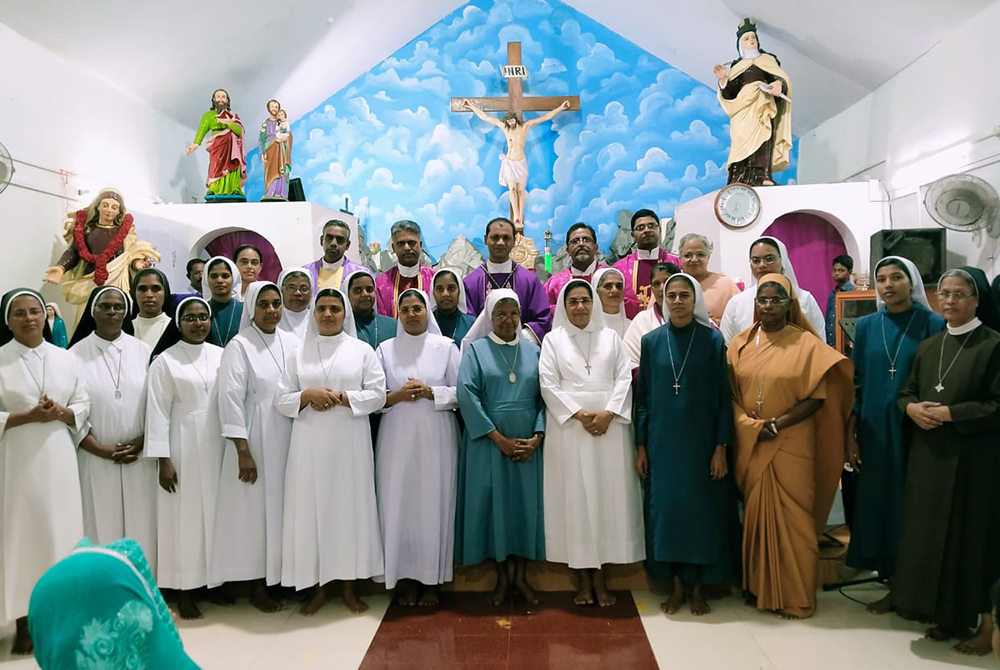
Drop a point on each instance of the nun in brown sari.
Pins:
(792, 395)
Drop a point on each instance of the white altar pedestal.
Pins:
(180, 232)
(855, 209)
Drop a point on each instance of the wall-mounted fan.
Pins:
(6, 168)
(964, 203)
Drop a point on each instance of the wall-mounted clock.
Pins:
(737, 206)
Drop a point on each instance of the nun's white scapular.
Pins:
(248, 533)
(331, 528)
(593, 503)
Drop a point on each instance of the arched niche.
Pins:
(814, 238)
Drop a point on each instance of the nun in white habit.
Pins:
(739, 310)
(329, 387)
(609, 283)
(593, 505)
(252, 488)
(183, 432)
(296, 300)
(118, 484)
(416, 457)
(43, 403)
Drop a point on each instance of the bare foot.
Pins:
(937, 634)
(355, 604)
(263, 601)
(430, 597)
(499, 594)
(883, 605)
(525, 590)
(788, 616)
(979, 644)
(408, 594)
(604, 597)
(585, 596)
(23, 646)
(672, 605)
(699, 606)
(186, 607)
(315, 603)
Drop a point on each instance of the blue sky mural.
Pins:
(647, 135)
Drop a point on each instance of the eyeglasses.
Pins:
(196, 318)
(579, 302)
(110, 307)
(757, 260)
(691, 255)
(500, 316)
(301, 288)
(763, 302)
(945, 296)
(646, 226)
(577, 241)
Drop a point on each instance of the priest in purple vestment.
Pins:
(335, 267)
(499, 271)
(407, 244)
(637, 267)
(581, 246)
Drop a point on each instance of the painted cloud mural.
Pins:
(647, 135)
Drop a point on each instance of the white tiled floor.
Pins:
(841, 636)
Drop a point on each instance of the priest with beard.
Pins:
(499, 271)
(581, 247)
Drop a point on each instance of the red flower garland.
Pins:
(100, 261)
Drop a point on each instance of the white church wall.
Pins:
(936, 117)
(58, 116)
(855, 210)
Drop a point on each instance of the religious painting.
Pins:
(645, 134)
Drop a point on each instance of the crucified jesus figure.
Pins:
(514, 164)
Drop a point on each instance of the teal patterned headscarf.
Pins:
(99, 609)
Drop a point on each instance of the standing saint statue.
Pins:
(227, 164)
(514, 163)
(104, 250)
(276, 152)
(755, 94)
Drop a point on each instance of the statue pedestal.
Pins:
(180, 232)
(856, 210)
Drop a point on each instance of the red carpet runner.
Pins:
(464, 632)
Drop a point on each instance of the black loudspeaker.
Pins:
(295, 191)
(926, 247)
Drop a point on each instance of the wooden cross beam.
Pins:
(515, 101)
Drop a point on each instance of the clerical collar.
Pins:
(104, 344)
(408, 272)
(497, 339)
(965, 328)
(333, 267)
(583, 273)
(500, 268)
(650, 255)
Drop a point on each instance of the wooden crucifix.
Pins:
(514, 164)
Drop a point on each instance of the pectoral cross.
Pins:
(587, 365)
(677, 387)
(939, 387)
(760, 406)
(892, 372)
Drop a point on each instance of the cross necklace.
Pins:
(41, 386)
(590, 344)
(512, 377)
(940, 384)
(670, 350)
(204, 377)
(116, 380)
(892, 359)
